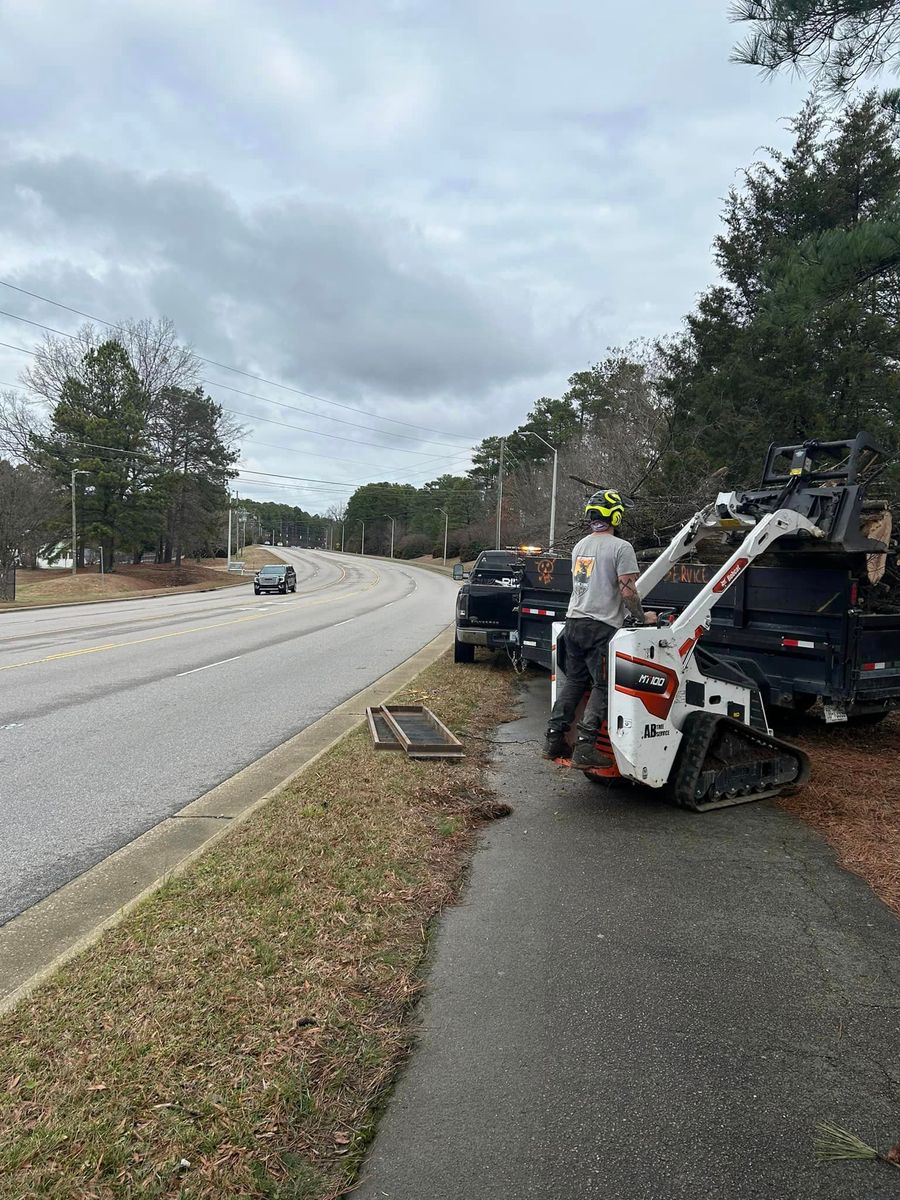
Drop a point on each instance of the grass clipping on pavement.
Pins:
(236, 1033)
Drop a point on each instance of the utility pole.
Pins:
(391, 519)
(446, 524)
(342, 537)
(553, 486)
(363, 547)
(74, 525)
(500, 490)
(228, 564)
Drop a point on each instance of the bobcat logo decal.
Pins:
(545, 571)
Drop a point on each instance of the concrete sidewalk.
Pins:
(633, 1002)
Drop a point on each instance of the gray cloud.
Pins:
(434, 212)
(309, 288)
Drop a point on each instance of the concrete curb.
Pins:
(36, 943)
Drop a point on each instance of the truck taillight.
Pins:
(854, 594)
(462, 605)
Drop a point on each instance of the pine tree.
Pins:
(799, 339)
(99, 426)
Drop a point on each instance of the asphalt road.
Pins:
(114, 716)
(632, 1002)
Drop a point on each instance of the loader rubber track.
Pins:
(722, 762)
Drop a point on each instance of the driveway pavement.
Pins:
(637, 1003)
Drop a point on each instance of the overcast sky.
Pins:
(429, 210)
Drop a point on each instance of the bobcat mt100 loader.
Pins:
(681, 719)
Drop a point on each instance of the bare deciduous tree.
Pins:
(159, 359)
(19, 419)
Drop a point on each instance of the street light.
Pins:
(553, 488)
(391, 519)
(500, 490)
(74, 527)
(446, 523)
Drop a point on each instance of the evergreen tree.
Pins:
(99, 426)
(778, 350)
(839, 41)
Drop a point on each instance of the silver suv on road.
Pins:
(275, 577)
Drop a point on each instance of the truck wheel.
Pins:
(463, 652)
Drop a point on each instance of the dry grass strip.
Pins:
(853, 799)
(235, 1035)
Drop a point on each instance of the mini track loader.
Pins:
(683, 720)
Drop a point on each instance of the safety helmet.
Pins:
(607, 506)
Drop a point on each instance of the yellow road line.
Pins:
(159, 637)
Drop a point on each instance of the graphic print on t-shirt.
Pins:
(584, 569)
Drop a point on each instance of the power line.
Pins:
(323, 416)
(335, 437)
(252, 442)
(236, 411)
(370, 486)
(236, 370)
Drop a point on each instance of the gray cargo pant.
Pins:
(586, 642)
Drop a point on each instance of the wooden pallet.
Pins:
(414, 729)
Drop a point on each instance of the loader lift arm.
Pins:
(682, 724)
(715, 519)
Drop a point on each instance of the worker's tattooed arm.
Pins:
(631, 598)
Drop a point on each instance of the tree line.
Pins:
(146, 453)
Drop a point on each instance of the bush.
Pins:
(469, 551)
(413, 545)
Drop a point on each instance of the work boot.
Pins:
(555, 745)
(587, 755)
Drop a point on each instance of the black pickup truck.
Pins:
(486, 607)
(806, 629)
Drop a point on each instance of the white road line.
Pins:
(233, 658)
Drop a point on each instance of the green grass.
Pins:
(247, 1019)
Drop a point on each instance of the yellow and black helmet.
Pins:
(606, 506)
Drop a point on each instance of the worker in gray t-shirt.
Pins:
(604, 572)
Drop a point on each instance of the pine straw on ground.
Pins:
(853, 799)
(235, 1035)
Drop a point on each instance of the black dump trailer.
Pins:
(815, 621)
(803, 631)
(545, 585)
